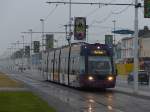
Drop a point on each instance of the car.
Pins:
(143, 77)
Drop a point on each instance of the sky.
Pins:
(21, 15)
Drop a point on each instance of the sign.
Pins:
(109, 40)
(49, 41)
(27, 51)
(123, 32)
(80, 28)
(36, 46)
(146, 8)
(99, 52)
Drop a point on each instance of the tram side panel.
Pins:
(44, 61)
(50, 65)
(75, 66)
(56, 66)
(64, 66)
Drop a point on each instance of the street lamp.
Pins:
(30, 30)
(136, 57)
(23, 54)
(43, 24)
(114, 21)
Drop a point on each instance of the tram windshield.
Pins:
(99, 65)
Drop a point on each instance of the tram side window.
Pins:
(77, 67)
(82, 65)
(66, 63)
(62, 67)
(72, 66)
(51, 65)
(45, 66)
(56, 65)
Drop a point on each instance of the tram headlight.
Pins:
(90, 78)
(110, 78)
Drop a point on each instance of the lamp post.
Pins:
(136, 61)
(114, 42)
(23, 51)
(30, 30)
(69, 41)
(42, 66)
(17, 47)
(114, 21)
(70, 21)
(43, 24)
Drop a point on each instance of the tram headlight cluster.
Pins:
(90, 78)
(110, 78)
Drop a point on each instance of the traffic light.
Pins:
(36, 46)
(109, 40)
(80, 28)
(146, 8)
(49, 41)
(27, 51)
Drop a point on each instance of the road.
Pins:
(66, 99)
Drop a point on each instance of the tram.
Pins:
(81, 65)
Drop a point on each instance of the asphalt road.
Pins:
(66, 99)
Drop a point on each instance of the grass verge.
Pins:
(22, 102)
(5, 81)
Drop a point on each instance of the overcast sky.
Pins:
(21, 15)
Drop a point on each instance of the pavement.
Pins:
(123, 86)
(8, 84)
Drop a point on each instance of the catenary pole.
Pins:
(136, 63)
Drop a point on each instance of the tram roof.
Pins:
(79, 44)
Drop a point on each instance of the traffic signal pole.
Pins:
(136, 48)
(69, 41)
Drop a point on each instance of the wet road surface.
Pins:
(72, 100)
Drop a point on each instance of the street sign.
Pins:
(49, 41)
(123, 32)
(146, 8)
(80, 28)
(109, 40)
(36, 46)
(27, 51)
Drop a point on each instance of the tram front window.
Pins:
(99, 65)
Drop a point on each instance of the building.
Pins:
(125, 49)
(125, 46)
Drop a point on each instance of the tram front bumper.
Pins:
(98, 83)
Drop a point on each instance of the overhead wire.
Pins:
(46, 17)
(123, 10)
(95, 10)
(51, 12)
(101, 21)
(92, 12)
(109, 15)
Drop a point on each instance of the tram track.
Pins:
(83, 101)
(82, 98)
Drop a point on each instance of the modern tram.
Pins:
(81, 65)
